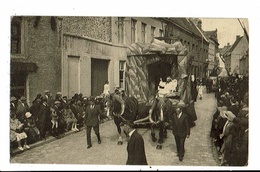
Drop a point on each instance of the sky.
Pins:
(227, 28)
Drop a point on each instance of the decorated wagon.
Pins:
(147, 65)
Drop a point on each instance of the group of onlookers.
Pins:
(230, 121)
(47, 116)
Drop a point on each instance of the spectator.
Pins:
(22, 108)
(44, 120)
(13, 104)
(71, 121)
(17, 132)
(30, 128)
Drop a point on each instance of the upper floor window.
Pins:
(16, 27)
(121, 30)
(133, 30)
(143, 32)
(121, 73)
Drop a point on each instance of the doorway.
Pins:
(99, 75)
(156, 71)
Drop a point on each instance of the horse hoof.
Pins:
(119, 143)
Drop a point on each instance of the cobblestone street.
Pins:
(72, 148)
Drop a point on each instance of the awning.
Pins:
(23, 67)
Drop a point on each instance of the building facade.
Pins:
(189, 34)
(73, 54)
(235, 53)
(213, 50)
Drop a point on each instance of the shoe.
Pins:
(20, 148)
(73, 129)
(89, 146)
(180, 158)
(99, 142)
(76, 129)
(27, 147)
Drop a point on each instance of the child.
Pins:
(17, 133)
(200, 91)
(54, 121)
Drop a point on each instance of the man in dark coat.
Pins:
(44, 120)
(135, 146)
(91, 119)
(180, 129)
(13, 104)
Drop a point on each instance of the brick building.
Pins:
(73, 54)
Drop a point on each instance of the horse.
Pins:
(123, 109)
(159, 117)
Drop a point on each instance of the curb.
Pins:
(215, 153)
(42, 142)
(17, 151)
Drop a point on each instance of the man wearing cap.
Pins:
(92, 116)
(180, 128)
(22, 108)
(135, 146)
(13, 104)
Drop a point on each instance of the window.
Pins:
(121, 73)
(143, 32)
(121, 30)
(16, 35)
(152, 32)
(133, 30)
(18, 84)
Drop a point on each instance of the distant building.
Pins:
(189, 34)
(234, 53)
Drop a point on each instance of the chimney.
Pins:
(237, 37)
(199, 24)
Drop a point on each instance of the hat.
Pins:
(59, 93)
(28, 114)
(47, 91)
(13, 99)
(57, 102)
(222, 110)
(229, 115)
(22, 98)
(180, 104)
(183, 75)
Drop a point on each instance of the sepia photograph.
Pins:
(120, 91)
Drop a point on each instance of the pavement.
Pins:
(199, 148)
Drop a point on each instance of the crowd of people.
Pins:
(47, 116)
(230, 121)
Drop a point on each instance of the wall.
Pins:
(238, 52)
(86, 48)
(42, 46)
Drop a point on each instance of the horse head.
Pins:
(159, 110)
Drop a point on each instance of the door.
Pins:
(73, 76)
(99, 75)
(156, 71)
